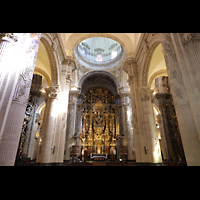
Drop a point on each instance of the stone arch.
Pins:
(162, 72)
(41, 105)
(152, 45)
(93, 73)
(40, 71)
(47, 41)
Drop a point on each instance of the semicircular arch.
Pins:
(47, 41)
(103, 73)
(152, 45)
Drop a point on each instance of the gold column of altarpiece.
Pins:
(100, 122)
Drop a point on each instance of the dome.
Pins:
(99, 50)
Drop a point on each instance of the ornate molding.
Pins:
(175, 77)
(130, 66)
(186, 38)
(26, 73)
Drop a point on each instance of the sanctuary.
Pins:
(99, 99)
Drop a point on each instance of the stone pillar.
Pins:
(17, 61)
(64, 125)
(33, 135)
(32, 106)
(164, 100)
(187, 48)
(130, 68)
(48, 126)
(127, 124)
(71, 122)
(163, 137)
(183, 83)
(149, 125)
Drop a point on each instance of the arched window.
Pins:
(84, 52)
(99, 57)
(114, 54)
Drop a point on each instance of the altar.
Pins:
(99, 127)
(99, 156)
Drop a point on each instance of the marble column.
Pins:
(48, 126)
(185, 92)
(17, 60)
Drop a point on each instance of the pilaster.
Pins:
(17, 60)
(130, 67)
(71, 122)
(149, 125)
(187, 48)
(183, 95)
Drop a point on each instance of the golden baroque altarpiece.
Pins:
(99, 127)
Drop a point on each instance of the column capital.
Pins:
(69, 62)
(52, 91)
(10, 37)
(130, 67)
